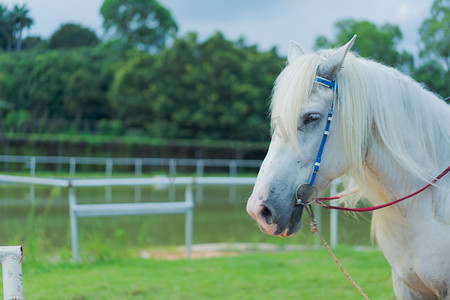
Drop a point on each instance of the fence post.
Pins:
(172, 175)
(108, 173)
(138, 173)
(333, 216)
(11, 259)
(232, 194)
(198, 187)
(33, 166)
(189, 221)
(32, 174)
(233, 168)
(73, 163)
(73, 223)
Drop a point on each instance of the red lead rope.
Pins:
(370, 208)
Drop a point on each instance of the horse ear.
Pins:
(295, 51)
(330, 67)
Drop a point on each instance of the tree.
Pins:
(435, 32)
(433, 75)
(6, 29)
(83, 95)
(33, 42)
(145, 23)
(217, 89)
(434, 69)
(73, 36)
(20, 21)
(376, 42)
(12, 24)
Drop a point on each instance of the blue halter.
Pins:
(306, 193)
(332, 85)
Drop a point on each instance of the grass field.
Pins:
(310, 274)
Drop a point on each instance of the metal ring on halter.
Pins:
(300, 202)
(307, 190)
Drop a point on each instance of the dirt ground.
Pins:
(200, 251)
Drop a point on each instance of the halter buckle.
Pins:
(305, 195)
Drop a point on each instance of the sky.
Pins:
(266, 23)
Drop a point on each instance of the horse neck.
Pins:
(396, 181)
(408, 165)
(388, 173)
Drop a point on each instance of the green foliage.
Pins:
(434, 33)
(434, 76)
(12, 24)
(16, 120)
(376, 42)
(59, 89)
(6, 29)
(215, 89)
(72, 36)
(139, 22)
(34, 42)
(434, 70)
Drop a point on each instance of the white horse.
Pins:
(389, 133)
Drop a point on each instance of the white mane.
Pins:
(377, 103)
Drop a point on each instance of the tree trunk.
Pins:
(19, 41)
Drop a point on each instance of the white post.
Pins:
(73, 223)
(11, 260)
(232, 194)
(199, 188)
(333, 216)
(73, 163)
(189, 221)
(32, 173)
(172, 176)
(108, 173)
(233, 168)
(200, 167)
(33, 166)
(137, 173)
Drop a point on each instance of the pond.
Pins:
(42, 224)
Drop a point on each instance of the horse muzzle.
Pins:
(283, 218)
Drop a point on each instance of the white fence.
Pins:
(121, 209)
(11, 261)
(171, 163)
(142, 208)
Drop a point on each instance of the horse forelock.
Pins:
(292, 89)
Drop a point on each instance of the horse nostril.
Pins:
(267, 215)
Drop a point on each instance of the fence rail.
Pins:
(137, 163)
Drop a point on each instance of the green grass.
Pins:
(310, 274)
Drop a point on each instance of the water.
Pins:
(219, 217)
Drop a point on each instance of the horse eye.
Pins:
(311, 117)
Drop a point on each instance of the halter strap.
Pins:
(333, 85)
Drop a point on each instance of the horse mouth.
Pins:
(295, 222)
(293, 225)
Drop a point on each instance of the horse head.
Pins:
(300, 110)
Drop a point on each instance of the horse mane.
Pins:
(377, 103)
